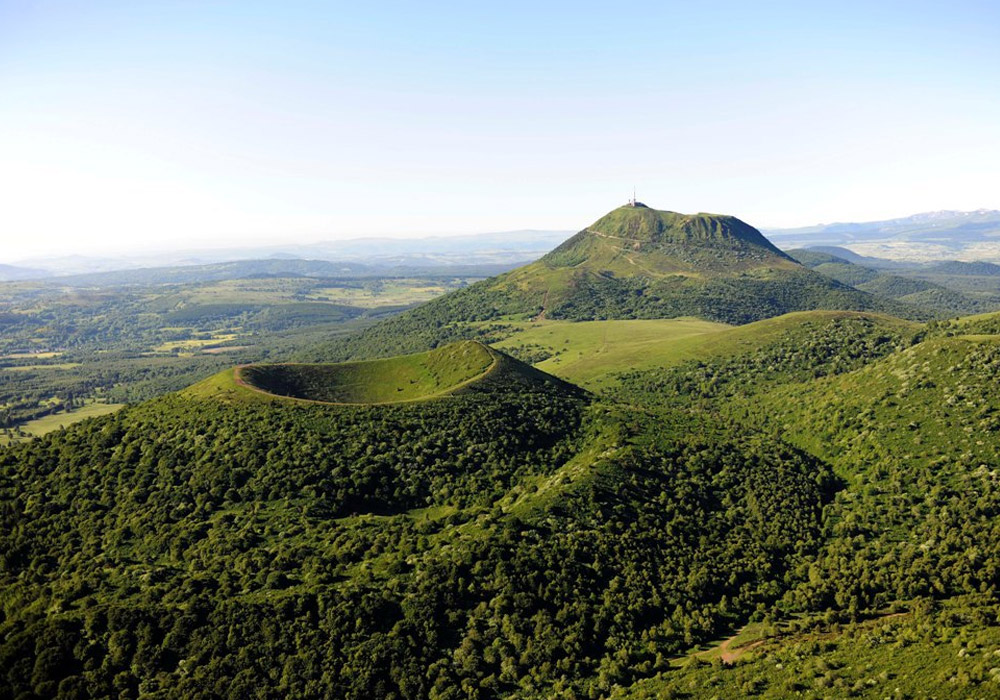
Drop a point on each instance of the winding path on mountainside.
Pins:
(729, 654)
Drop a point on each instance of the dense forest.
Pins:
(390, 550)
(519, 538)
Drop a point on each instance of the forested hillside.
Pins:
(508, 539)
(908, 423)
(946, 289)
(808, 476)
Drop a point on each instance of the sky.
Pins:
(132, 126)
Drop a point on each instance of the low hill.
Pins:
(10, 273)
(458, 367)
(407, 378)
(885, 403)
(633, 263)
(956, 267)
(846, 255)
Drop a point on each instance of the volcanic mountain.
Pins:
(637, 240)
(634, 262)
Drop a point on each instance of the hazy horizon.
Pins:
(150, 127)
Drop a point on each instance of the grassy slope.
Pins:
(591, 353)
(932, 401)
(933, 654)
(46, 424)
(585, 352)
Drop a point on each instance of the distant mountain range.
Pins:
(14, 272)
(504, 249)
(270, 267)
(931, 236)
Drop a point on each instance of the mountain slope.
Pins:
(633, 263)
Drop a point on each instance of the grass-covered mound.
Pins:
(404, 378)
(458, 368)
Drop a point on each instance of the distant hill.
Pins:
(11, 273)
(633, 263)
(850, 256)
(277, 267)
(919, 286)
(927, 237)
(187, 274)
(955, 267)
(936, 226)
(502, 249)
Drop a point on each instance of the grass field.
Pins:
(30, 355)
(32, 368)
(194, 343)
(395, 293)
(588, 351)
(46, 424)
(365, 294)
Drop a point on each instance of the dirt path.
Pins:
(728, 655)
(545, 306)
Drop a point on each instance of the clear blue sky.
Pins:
(148, 124)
